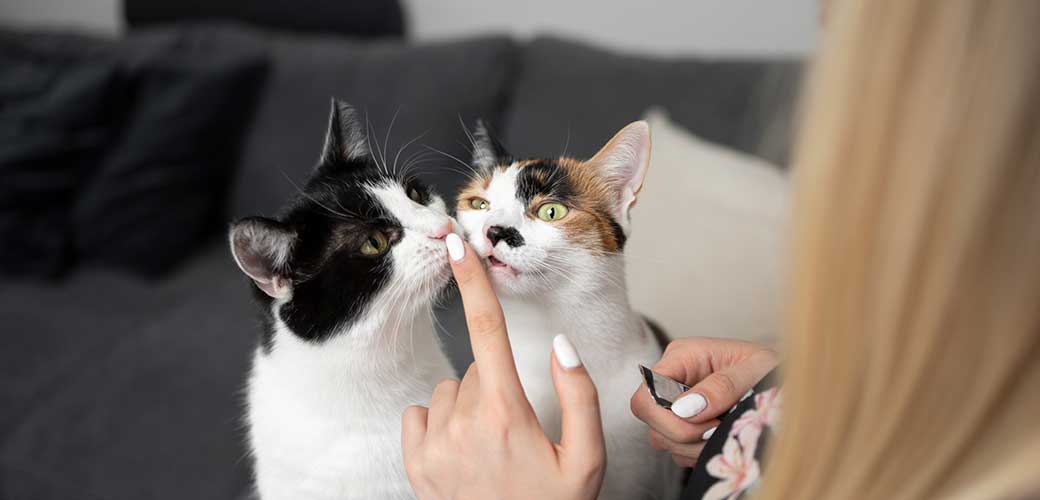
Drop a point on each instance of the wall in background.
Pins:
(103, 16)
(714, 27)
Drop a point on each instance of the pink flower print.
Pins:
(736, 468)
(765, 413)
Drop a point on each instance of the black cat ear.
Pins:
(346, 139)
(487, 151)
(261, 248)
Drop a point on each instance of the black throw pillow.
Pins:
(60, 106)
(157, 193)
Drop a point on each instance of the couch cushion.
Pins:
(429, 88)
(113, 387)
(570, 94)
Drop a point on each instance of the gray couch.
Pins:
(120, 387)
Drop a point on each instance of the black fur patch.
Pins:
(332, 280)
(510, 235)
(619, 234)
(542, 178)
(332, 217)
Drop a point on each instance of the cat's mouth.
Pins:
(496, 264)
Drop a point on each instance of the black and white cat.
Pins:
(552, 231)
(346, 277)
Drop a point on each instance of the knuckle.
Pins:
(593, 466)
(655, 441)
(770, 354)
(497, 411)
(677, 345)
(456, 428)
(484, 322)
(724, 385)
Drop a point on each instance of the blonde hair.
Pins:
(913, 322)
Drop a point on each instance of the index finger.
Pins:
(484, 319)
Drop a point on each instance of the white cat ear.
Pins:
(624, 161)
(345, 139)
(487, 151)
(261, 248)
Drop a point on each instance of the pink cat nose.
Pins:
(441, 232)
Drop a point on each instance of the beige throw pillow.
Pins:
(707, 243)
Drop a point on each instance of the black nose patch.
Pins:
(510, 235)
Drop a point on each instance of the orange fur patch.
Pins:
(589, 221)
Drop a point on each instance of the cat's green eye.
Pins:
(376, 244)
(479, 204)
(551, 212)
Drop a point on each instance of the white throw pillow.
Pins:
(707, 243)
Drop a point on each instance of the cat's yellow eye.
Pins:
(376, 244)
(551, 212)
(479, 204)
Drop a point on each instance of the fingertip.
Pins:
(565, 353)
(456, 247)
(414, 412)
(689, 405)
(467, 268)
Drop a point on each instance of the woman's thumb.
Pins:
(582, 429)
(718, 392)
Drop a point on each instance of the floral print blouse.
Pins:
(730, 464)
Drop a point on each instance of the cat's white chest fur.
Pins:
(612, 340)
(325, 422)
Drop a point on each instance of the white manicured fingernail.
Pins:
(455, 249)
(689, 405)
(565, 352)
(708, 433)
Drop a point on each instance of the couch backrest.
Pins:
(572, 94)
(425, 92)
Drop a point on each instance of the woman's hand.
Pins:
(719, 372)
(480, 438)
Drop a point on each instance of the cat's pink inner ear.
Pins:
(260, 253)
(625, 160)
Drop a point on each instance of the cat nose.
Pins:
(510, 235)
(441, 232)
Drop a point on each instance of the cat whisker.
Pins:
(309, 197)
(389, 130)
(465, 165)
(402, 148)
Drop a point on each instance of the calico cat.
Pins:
(346, 277)
(552, 232)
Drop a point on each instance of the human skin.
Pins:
(719, 371)
(479, 438)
